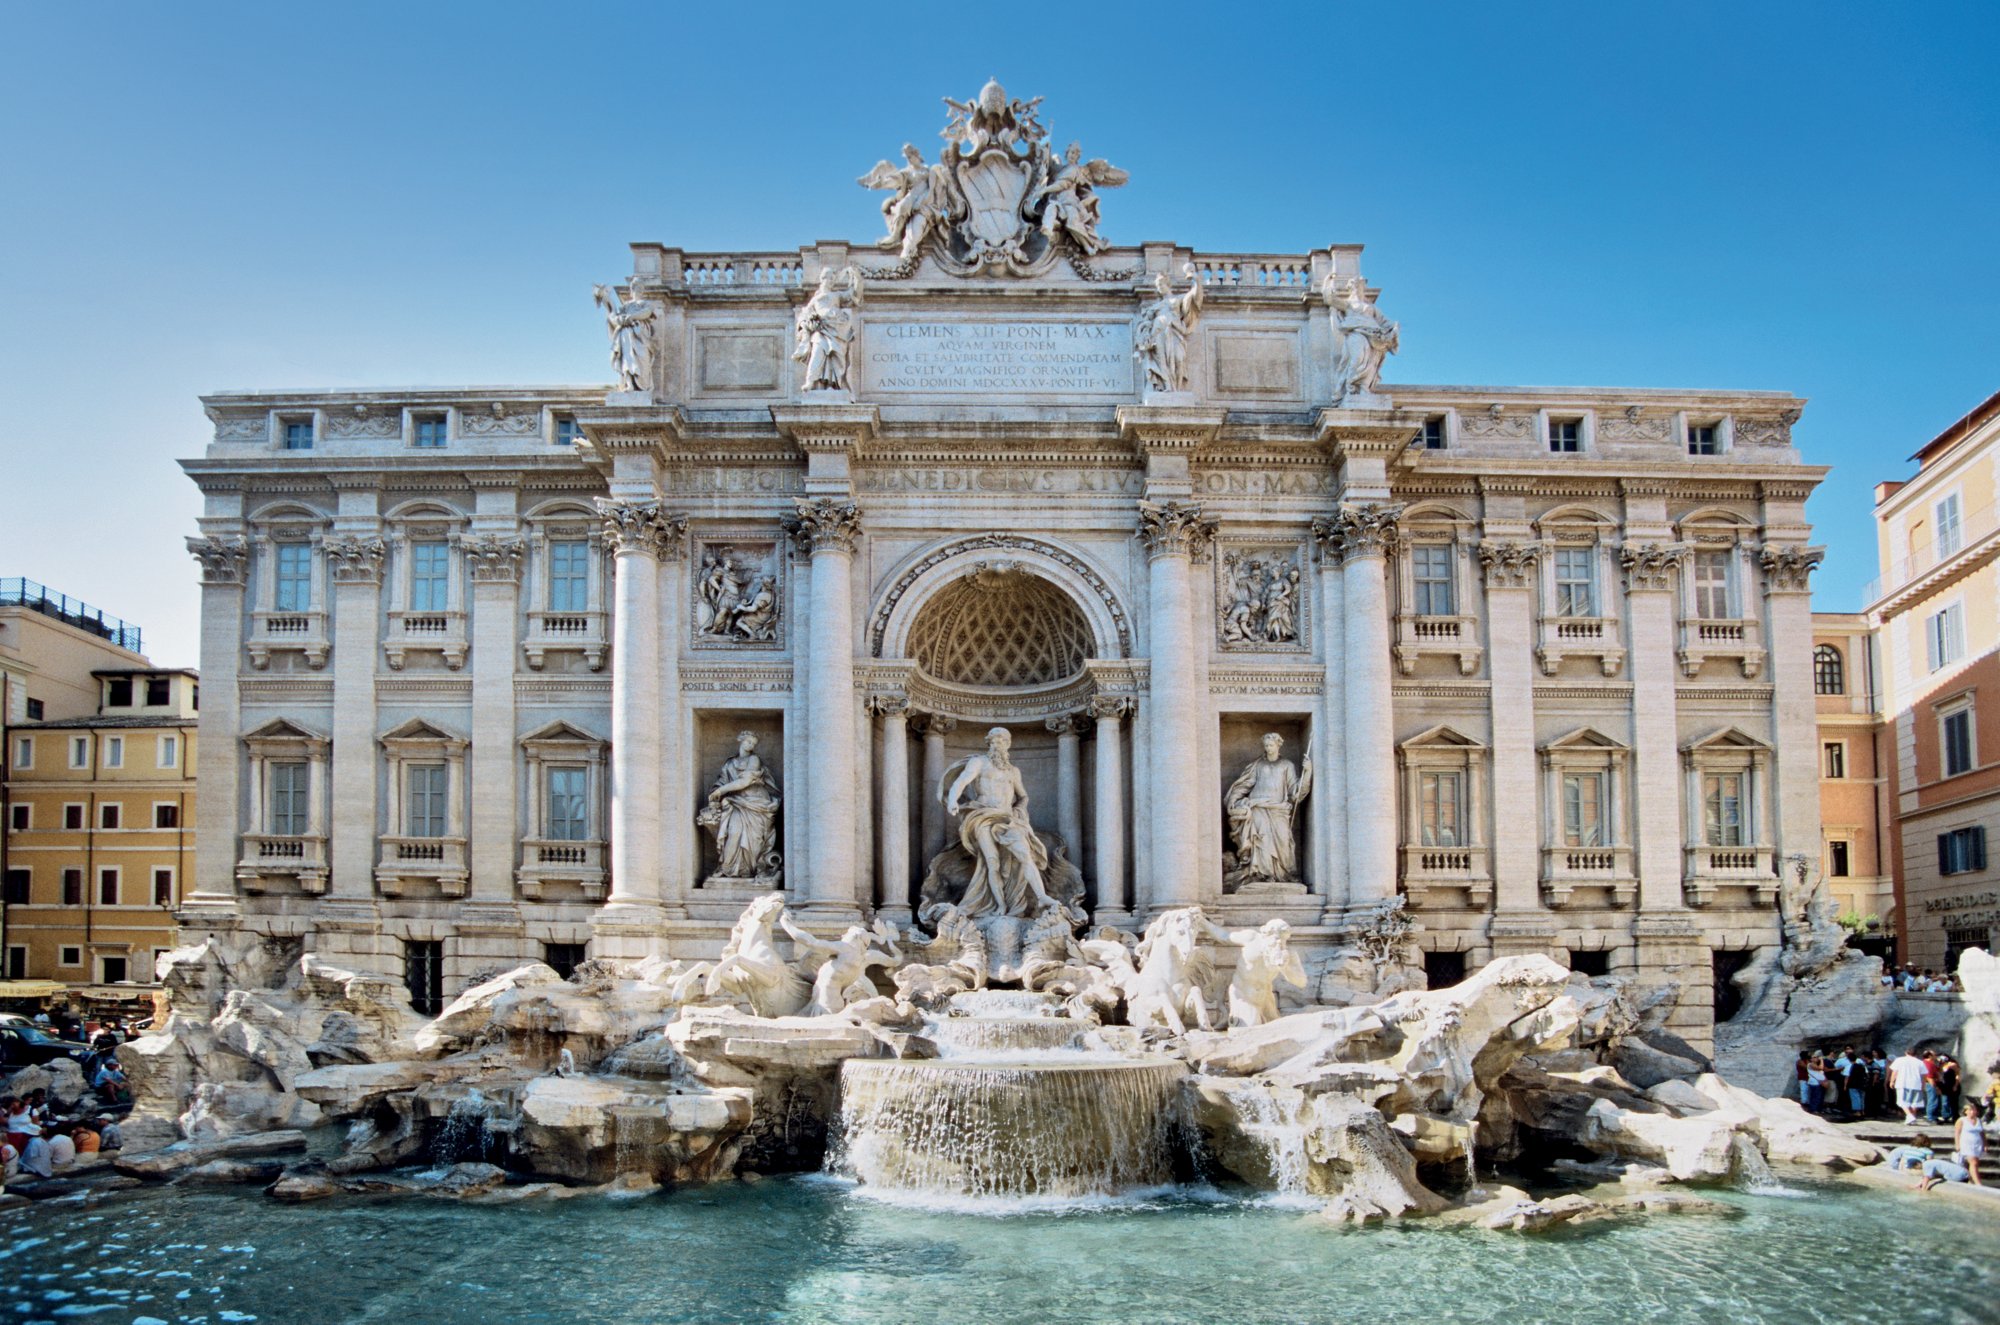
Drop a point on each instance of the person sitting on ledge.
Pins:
(1943, 1170)
(1912, 1156)
(108, 1135)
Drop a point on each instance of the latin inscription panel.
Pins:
(996, 358)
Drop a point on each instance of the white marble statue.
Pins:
(1068, 196)
(842, 977)
(1362, 337)
(1261, 803)
(735, 596)
(1166, 991)
(824, 330)
(742, 816)
(986, 791)
(1265, 959)
(1160, 342)
(751, 972)
(924, 198)
(630, 322)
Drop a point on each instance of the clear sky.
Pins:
(196, 196)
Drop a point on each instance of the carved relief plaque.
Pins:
(737, 598)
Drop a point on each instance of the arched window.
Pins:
(1829, 672)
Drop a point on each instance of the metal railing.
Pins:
(17, 592)
(1968, 531)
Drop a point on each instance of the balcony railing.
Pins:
(578, 632)
(1254, 271)
(18, 592)
(1588, 637)
(1973, 529)
(269, 858)
(433, 860)
(1429, 870)
(552, 868)
(1454, 636)
(1707, 868)
(425, 632)
(287, 632)
(1567, 868)
(1703, 638)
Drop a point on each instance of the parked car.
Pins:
(30, 1046)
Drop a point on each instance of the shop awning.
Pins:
(32, 988)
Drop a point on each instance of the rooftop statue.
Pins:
(825, 329)
(630, 322)
(1362, 337)
(998, 198)
(1161, 340)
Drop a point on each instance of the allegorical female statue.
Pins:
(1362, 337)
(742, 816)
(630, 322)
(1161, 339)
(1261, 804)
(825, 327)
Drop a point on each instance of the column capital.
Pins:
(889, 706)
(1508, 564)
(1789, 569)
(1173, 528)
(825, 524)
(1651, 567)
(494, 558)
(642, 527)
(935, 724)
(222, 559)
(1110, 708)
(1359, 529)
(1065, 724)
(354, 560)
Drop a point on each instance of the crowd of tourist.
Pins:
(1917, 1087)
(1910, 980)
(42, 1140)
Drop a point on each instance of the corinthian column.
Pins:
(1069, 784)
(1108, 820)
(1172, 532)
(212, 891)
(1366, 531)
(639, 535)
(495, 560)
(893, 842)
(935, 727)
(828, 527)
(354, 564)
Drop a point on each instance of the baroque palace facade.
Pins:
(506, 673)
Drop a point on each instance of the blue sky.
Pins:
(199, 196)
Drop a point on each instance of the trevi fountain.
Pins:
(1353, 985)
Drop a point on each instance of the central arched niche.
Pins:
(1000, 626)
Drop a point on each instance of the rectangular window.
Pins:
(114, 970)
(567, 805)
(163, 887)
(73, 818)
(169, 752)
(1962, 850)
(68, 955)
(1712, 599)
(1583, 809)
(20, 818)
(1433, 434)
(1704, 439)
(1430, 564)
(1950, 534)
(1837, 864)
(114, 752)
(430, 430)
(563, 958)
(427, 800)
(423, 975)
(17, 886)
(1944, 637)
(1443, 820)
(293, 591)
(1566, 435)
(110, 814)
(34, 710)
(166, 816)
(72, 892)
(298, 434)
(1833, 758)
(159, 692)
(118, 692)
(567, 431)
(569, 575)
(107, 887)
(24, 752)
(1722, 809)
(17, 963)
(1955, 729)
(289, 782)
(430, 576)
(79, 752)
(1576, 581)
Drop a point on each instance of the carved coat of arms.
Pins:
(998, 198)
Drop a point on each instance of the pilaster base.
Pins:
(628, 932)
(1521, 935)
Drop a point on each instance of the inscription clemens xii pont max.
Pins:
(947, 357)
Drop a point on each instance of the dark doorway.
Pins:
(423, 974)
(1727, 963)
(1442, 970)
(563, 958)
(1590, 963)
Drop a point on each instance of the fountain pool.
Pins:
(814, 1250)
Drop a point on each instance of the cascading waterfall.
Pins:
(1011, 1107)
(465, 1134)
(1273, 1122)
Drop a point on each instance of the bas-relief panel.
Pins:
(1260, 598)
(1255, 363)
(738, 359)
(737, 598)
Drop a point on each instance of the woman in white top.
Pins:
(1970, 1141)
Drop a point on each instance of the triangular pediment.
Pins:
(284, 731)
(561, 733)
(1726, 738)
(1443, 735)
(1585, 738)
(420, 729)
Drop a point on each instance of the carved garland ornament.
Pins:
(1360, 529)
(222, 559)
(1173, 528)
(641, 527)
(825, 524)
(352, 560)
(1789, 569)
(1652, 566)
(999, 542)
